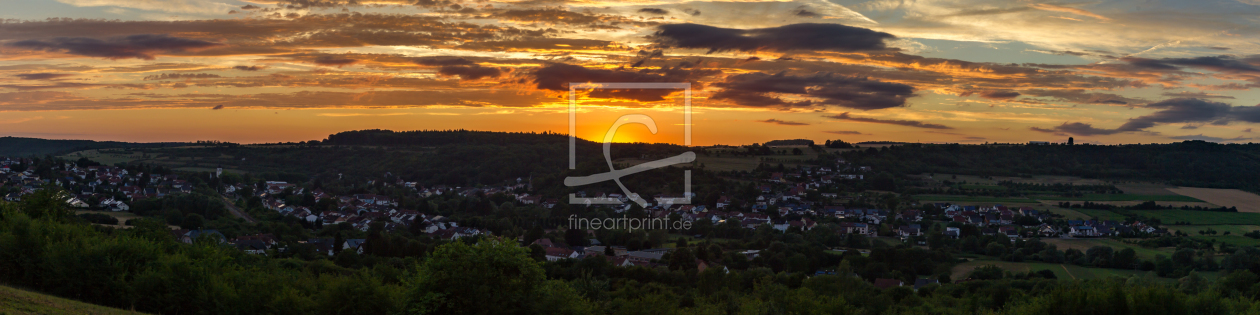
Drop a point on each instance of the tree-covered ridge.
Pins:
(1189, 163)
(18, 146)
(442, 137)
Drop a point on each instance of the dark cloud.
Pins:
(250, 7)
(443, 61)
(1083, 97)
(907, 123)
(783, 122)
(557, 77)
(1218, 48)
(1221, 63)
(217, 107)
(805, 13)
(41, 76)
(143, 46)
(1195, 95)
(693, 12)
(762, 90)
(472, 72)
(248, 68)
(1076, 128)
(647, 56)
(53, 101)
(176, 76)
(844, 132)
(656, 11)
(1179, 110)
(806, 36)
(993, 94)
(1246, 113)
(334, 61)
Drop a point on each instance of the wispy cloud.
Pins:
(844, 132)
(368, 114)
(783, 122)
(907, 123)
(20, 120)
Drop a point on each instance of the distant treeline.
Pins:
(443, 137)
(789, 142)
(1189, 163)
(23, 147)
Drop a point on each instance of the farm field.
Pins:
(156, 156)
(1068, 214)
(1121, 197)
(727, 163)
(16, 301)
(977, 186)
(959, 198)
(1052, 179)
(1245, 201)
(1200, 217)
(1083, 244)
(1100, 214)
(1145, 189)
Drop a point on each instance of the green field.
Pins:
(16, 301)
(1170, 217)
(1102, 214)
(1069, 214)
(1121, 197)
(985, 187)
(1200, 217)
(958, 198)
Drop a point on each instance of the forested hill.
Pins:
(443, 137)
(20, 147)
(455, 157)
(1189, 163)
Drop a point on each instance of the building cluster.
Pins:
(359, 211)
(91, 187)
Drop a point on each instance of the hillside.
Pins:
(16, 146)
(15, 301)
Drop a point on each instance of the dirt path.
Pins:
(1069, 272)
(231, 207)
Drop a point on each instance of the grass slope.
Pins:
(15, 301)
(1121, 197)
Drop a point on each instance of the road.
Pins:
(231, 207)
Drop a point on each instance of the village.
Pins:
(781, 205)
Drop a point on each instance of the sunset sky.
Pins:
(956, 71)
